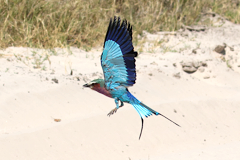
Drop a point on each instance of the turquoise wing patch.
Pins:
(118, 57)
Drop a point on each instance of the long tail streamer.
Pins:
(154, 112)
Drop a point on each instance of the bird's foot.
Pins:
(112, 112)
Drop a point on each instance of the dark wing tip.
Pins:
(117, 30)
(135, 54)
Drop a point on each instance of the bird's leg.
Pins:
(115, 109)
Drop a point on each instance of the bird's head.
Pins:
(98, 85)
(95, 83)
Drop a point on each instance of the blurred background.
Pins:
(83, 23)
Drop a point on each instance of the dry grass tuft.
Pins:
(81, 23)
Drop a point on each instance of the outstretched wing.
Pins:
(117, 60)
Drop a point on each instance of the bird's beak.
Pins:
(86, 85)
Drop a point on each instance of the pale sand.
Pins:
(206, 105)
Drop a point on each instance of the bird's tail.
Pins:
(144, 111)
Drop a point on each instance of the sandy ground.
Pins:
(45, 113)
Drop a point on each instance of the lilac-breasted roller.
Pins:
(118, 64)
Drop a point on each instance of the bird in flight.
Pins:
(119, 69)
